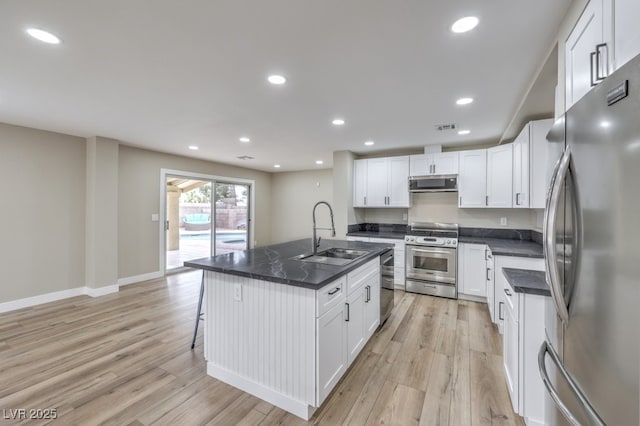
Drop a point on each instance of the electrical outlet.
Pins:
(503, 221)
(237, 292)
(404, 216)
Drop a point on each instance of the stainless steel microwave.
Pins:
(436, 183)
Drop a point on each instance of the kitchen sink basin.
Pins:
(332, 256)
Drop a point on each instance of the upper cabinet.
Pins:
(472, 178)
(500, 176)
(604, 38)
(626, 35)
(530, 177)
(381, 182)
(442, 163)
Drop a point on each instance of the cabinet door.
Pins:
(398, 182)
(472, 178)
(331, 350)
(521, 169)
(377, 182)
(473, 273)
(510, 355)
(445, 163)
(356, 337)
(500, 176)
(627, 36)
(581, 43)
(372, 306)
(360, 183)
(418, 165)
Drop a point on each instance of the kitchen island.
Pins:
(284, 329)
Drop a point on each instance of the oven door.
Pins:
(431, 264)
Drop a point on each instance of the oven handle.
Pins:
(447, 252)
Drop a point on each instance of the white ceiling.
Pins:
(165, 74)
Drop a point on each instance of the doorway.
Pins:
(203, 216)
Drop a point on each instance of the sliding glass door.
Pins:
(231, 217)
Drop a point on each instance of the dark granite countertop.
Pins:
(274, 263)
(378, 234)
(507, 247)
(525, 281)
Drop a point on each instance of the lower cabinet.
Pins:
(332, 350)
(342, 331)
(398, 257)
(491, 284)
(510, 353)
(472, 270)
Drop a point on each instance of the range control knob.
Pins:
(448, 241)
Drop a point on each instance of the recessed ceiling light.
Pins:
(338, 122)
(464, 101)
(193, 147)
(277, 166)
(605, 124)
(464, 24)
(43, 36)
(245, 139)
(318, 162)
(276, 79)
(464, 132)
(369, 143)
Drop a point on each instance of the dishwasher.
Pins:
(386, 285)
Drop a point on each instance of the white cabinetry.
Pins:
(588, 54)
(360, 183)
(471, 269)
(523, 334)
(530, 162)
(472, 178)
(332, 349)
(371, 309)
(490, 284)
(626, 34)
(355, 323)
(381, 182)
(442, 163)
(500, 176)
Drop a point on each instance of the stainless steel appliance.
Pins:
(435, 183)
(590, 360)
(431, 256)
(386, 285)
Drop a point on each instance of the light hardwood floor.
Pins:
(124, 359)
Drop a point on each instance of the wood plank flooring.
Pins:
(125, 359)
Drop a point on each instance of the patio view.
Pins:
(190, 228)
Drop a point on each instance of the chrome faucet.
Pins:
(316, 242)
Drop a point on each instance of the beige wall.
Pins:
(139, 198)
(344, 212)
(293, 196)
(42, 218)
(443, 207)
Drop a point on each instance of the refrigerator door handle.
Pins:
(550, 251)
(594, 418)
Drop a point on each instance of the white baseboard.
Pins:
(101, 291)
(472, 298)
(293, 406)
(139, 278)
(40, 299)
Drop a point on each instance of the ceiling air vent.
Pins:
(443, 127)
(245, 157)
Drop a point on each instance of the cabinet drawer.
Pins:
(330, 295)
(357, 278)
(511, 300)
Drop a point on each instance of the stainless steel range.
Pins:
(431, 259)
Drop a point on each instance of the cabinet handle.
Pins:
(500, 317)
(507, 292)
(368, 289)
(591, 57)
(365, 200)
(334, 291)
(460, 200)
(434, 169)
(488, 274)
(599, 77)
(486, 200)
(347, 305)
(517, 198)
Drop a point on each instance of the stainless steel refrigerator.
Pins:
(590, 362)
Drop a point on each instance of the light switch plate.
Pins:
(155, 217)
(503, 221)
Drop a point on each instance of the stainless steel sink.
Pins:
(332, 256)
